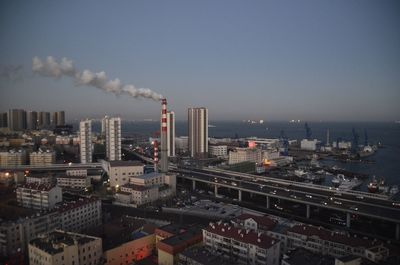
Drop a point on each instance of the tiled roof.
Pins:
(327, 235)
(260, 220)
(37, 186)
(67, 206)
(246, 236)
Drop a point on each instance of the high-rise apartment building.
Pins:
(113, 138)
(17, 119)
(58, 118)
(3, 120)
(32, 120)
(171, 133)
(198, 132)
(85, 134)
(44, 119)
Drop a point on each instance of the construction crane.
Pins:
(365, 137)
(284, 143)
(354, 144)
(308, 131)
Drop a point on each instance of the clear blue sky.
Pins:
(271, 60)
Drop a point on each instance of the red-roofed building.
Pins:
(39, 196)
(318, 239)
(255, 223)
(168, 249)
(244, 245)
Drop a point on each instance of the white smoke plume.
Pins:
(50, 67)
(11, 72)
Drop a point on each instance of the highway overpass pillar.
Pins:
(348, 220)
(397, 231)
(240, 195)
(267, 202)
(215, 190)
(193, 185)
(308, 211)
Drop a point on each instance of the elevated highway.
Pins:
(348, 202)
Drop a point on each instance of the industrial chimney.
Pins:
(164, 146)
(155, 146)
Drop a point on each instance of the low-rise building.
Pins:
(218, 150)
(39, 179)
(255, 223)
(119, 172)
(76, 172)
(302, 256)
(41, 158)
(310, 145)
(244, 246)
(80, 215)
(67, 248)
(146, 188)
(73, 182)
(18, 226)
(12, 158)
(201, 255)
(38, 196)
(126, 240)
(318, 239)
(137, 194)
(169, 248)
(240, 155)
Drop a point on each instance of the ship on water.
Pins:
(344, 183)
(308, 175)
(380, 186)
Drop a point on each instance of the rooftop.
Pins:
(328, 235)
(125, 163)
(301, 256)
(54, 242)
(37, 186)
(247, 236)
(203, 255)
(265, 221)
(67, 206)
(149, 175)
(172, 229)
(120, 231)
(181, 238)
(348, 258)
(136, 187)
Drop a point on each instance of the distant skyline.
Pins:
(270, 60)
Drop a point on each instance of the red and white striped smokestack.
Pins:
(164, 146)
(155, 155)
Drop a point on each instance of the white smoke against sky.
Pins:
(11, 72)
(50, 67)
